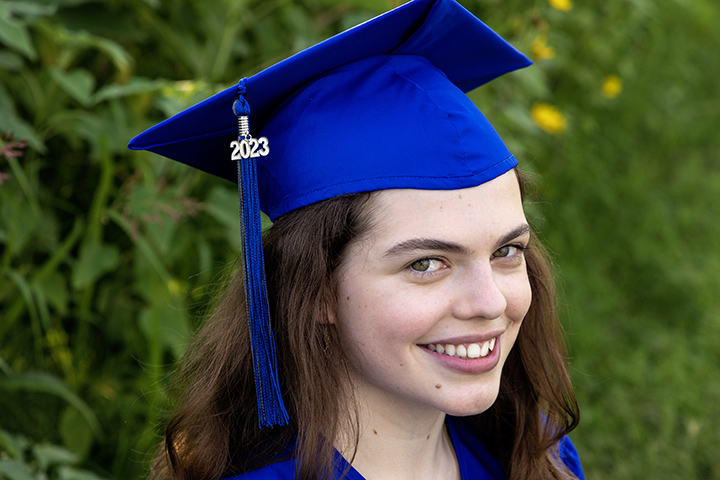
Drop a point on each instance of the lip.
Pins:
(465, 339)
(470, 366)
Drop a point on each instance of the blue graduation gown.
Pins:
(474, 460)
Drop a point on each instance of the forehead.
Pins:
(471, 214)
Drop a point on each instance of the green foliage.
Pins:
(22, 460)
(107, 256)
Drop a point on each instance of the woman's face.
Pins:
(439, 273)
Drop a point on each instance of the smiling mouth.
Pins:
(470, 350)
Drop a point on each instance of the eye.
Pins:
(509, 251)
(427, 265)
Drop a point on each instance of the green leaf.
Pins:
(376, 6)
(4, 367)
(13, 445)
(15, 470)
(143, 246)
(166, 327)
(73, 40)
(14, 34)
(69, 473)
(71, 3)
(120, 58)
(10, 122)
(27, 8)
(55, 291)
(133, 87)
(48, 455)
(10, 61)
(75, 432)
(26, 292)
(47, 383)
(95, 260)
(78, 83)
(222, 204)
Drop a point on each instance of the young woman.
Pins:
(412, 307)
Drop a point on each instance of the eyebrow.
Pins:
(519, 231)
(415, 244)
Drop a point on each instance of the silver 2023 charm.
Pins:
(249, 148)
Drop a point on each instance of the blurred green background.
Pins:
(108, 257)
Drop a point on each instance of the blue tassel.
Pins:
(271, 409)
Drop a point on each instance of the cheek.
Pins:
(362, 327)
(374, 318)
(365, 314)
(519, 297)
(358, 312)
(519, 301)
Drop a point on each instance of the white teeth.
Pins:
(472, 350)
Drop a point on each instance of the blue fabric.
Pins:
(402, 125)
(474, 460)
(570, 457)
(353, 138)
(271, 409)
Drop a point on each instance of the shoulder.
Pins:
(570, 457)
(283, 470)
(468, 444)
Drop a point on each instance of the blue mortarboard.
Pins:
(379, 106)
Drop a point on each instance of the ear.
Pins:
(331, 312)
(326, 307)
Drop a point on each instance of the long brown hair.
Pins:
(215, 430)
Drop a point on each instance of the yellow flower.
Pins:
(541, 49)
(174, 286)
(562, 5)
(549, 118)
(611, 86)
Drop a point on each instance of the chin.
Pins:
(474, 404)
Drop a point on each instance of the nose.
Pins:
(478, 295)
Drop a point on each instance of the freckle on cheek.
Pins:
(348, 299)
(438, 386)
(375, 432)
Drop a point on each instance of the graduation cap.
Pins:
(376, 107)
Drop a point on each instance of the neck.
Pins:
(400, 442)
